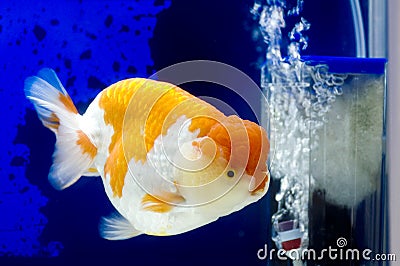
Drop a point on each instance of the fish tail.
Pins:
(74, 150)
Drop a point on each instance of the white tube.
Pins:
(394, 125)
(358, 28)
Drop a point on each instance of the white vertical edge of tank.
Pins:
(377, 28)
(394, 125)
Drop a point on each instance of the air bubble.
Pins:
(338, 90)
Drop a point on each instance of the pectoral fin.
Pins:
(116, 227)
(92, 171)
(164, 202)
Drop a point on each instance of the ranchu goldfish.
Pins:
(169, 161)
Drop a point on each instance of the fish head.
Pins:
(245, 146)
(227, 166)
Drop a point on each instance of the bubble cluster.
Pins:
(299, 96)
(297, 111)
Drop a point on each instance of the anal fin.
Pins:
(116, 227)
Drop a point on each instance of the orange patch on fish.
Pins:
(150, 203)
(205, 123)
(231, 129)
(54, 121)
(259, 144)
(117, 167)
(162, 203)
(85, 144)
(114, 105)
(168, 107)
(67, 102)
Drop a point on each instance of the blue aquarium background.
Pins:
(92, 44)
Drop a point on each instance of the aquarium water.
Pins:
(325, 127)
(90, 45)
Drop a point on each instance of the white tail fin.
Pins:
(74, 152)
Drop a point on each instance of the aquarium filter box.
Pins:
(326, 121)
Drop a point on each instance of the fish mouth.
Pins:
(259, 181)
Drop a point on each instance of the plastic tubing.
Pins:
(358, 28)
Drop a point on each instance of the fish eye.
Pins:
(230, 173)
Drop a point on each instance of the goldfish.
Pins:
(169, 161)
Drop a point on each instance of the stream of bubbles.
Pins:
(298, 97)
